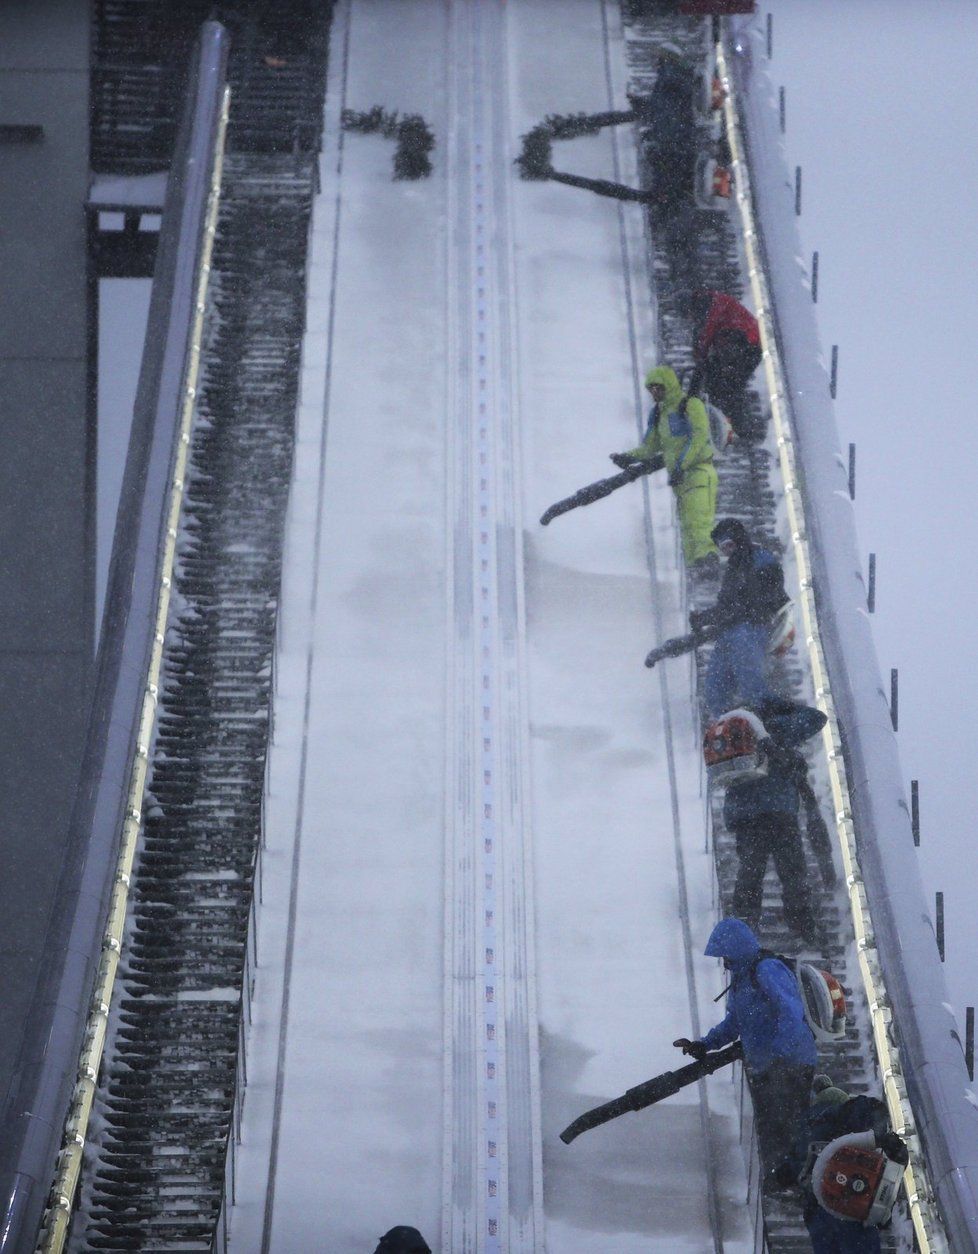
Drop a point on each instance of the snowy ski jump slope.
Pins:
(487, 884)
(468, 755)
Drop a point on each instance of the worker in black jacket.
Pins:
(750, 596)
(762, 815)
(668, 128)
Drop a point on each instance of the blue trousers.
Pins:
(839, 1236)
(735, 674)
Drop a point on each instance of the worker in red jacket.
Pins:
(726, 351)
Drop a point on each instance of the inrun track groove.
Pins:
(493, 1157)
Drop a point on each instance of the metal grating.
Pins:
(154, 1173)
(140, 49)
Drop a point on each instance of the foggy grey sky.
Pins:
(880, 104)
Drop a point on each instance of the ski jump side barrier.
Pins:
(46, 1112)
(918, 1047)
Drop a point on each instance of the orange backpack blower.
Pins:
(854, 1180)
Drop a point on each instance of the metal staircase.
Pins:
(155, 1166)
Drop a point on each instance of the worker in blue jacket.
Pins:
(751, 593)
(762, 815)
(765, 1012)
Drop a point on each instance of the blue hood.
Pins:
(766, 1012)
(732, 939)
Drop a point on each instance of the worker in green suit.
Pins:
(678, 434)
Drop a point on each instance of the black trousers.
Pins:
(781, 1095)
(776, 836)
(730, 364)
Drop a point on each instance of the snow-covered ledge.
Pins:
(128, 191)
(916, 1035)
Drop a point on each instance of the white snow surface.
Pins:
(353, 1064)
(138, 190)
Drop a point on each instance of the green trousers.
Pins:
(696, 499)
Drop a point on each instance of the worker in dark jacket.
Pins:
(726, 352)
(762, 815)
(750, 596)
(667, 121)
(834, 1113)
(765, 1012)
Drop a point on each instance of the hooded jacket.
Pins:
(722, 317)
(764, 1010)
(682, 438)
(752, 590)
(832, 1113)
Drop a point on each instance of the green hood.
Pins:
(830, 1097)
(667, 377)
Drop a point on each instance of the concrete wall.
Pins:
(46, 515)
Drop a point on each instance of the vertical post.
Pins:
(797, 190)
(894, 699)
(969, 1040)
(871, 593)
(781, 108)
(852, 472)
(770, 36)
(815, 276)
(915, 812)
(834, 374)
(940, 925)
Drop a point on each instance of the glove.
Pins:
(784, 1175)
(697, 619)
(695, 1049)
(675, 479)
(893, 1148)
(622, 460)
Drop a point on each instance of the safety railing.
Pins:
(890, 1038)
(50, 1099)
(736, 1076)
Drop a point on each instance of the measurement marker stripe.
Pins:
(486, 840)
(492, 1131)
